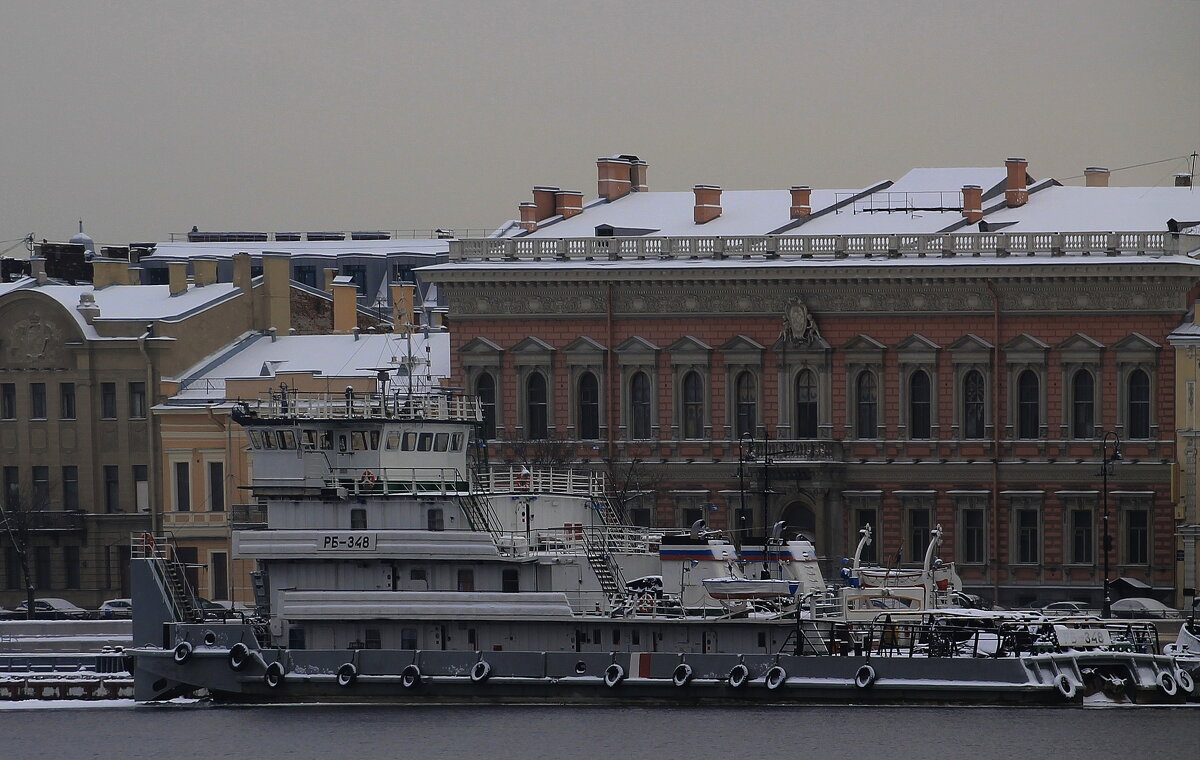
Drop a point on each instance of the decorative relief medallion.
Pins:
(799, 327)
(32, 342)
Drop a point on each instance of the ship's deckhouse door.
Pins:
(710, 642)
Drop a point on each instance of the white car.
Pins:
(117, 608)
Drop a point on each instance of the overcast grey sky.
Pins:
(148, 116)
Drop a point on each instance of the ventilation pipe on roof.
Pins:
(330, 274)
(1183, 179)
(1095, 176)
(38, 270)
(1015, 191)
(277, 281)
(972, 199)
(345, 305)
(543, 200)
(613, 177)
(568, 203)
(801, 201)
(708, 203)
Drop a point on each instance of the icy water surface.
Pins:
(468, 732)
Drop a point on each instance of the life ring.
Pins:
(183, 651)
(1185, 681)
(239, 656)
(776, 677)
(150, 546)
(682, 675)
(1065, 685)
(738, 676)
(613, 675)
(410, 677)
(481, 671)
(368, 478)
(1166, 682)
(865, 677)
(521, 481)
(347, 674)
(273, 676)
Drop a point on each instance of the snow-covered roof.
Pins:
(743, 212)
(1101, 209)
(332, 249)
(325, 355)
(144, 303)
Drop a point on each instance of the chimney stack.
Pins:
(277, 281)
(1015, 192)
(529, 219)
(205, 268)
(972, 209)
(330, 274)
(568, 203)
(345, 304)
(177, 277)
(241, 271)
(107, 272)
(708, 203)
(1183, 179)
(613, 176)
(637, 176)
(88, 308)
(543, 199)
(1095, 176)
(801, 201)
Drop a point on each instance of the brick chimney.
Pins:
(801, 201)
(177, 277)
(543, 199)
(1183, 179)
(613, 177)
(568, 203)
(529, 221)
(107, 272)
(637, 176)
(972, 207)
(241, 271)
(1095, 176)
(205, 268)
(708, 203)
(1015, 192)
(277, 281)
(345, 304)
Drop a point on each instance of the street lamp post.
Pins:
(742, 454)
(1106, 462)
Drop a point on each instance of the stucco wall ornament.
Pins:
(32, 340)
(799, 326)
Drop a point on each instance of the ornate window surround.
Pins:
(690, 354)
(971, 352)
(529, 356)
(1080, 352)
(585, 355)
(917, 353)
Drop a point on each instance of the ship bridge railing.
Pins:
(577, 538)
(403, 481)
(543, 480)
(400, 405)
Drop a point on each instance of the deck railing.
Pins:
(399, 405)
(937, 245)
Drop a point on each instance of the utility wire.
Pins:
(1148, 163)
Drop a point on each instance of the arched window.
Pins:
(535, 406)
(639, 405)
(918, 405)
(747, 405)
(1139, 405)
(974, 406)
(1028, 404)
(1083, 405)
(589, 407)
(485, 389)
(867, 398)
(806, 405)
(693, 406)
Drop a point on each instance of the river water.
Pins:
(328, 732)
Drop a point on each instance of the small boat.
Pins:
(751, 588)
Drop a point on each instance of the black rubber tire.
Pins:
(239, 656)
(183, 652)
(410, 677)
(1066, 686)
(739, 676)
(613, 675)
(775, 677)
(347, 674)
(481, 671)
(865, 677)
(273, 677)
(682, 675)
(1166, 682)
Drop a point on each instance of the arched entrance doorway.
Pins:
(800, 518)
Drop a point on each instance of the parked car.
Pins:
(52, 608)
(117, 608)
(1063, 609)
(1142, 607)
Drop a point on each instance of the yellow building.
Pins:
(1186, 341)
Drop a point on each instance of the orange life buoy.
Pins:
(368, 477)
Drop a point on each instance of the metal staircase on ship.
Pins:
(169, 571)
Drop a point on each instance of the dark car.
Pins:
(52, 608)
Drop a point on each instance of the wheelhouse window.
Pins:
(485, 390)
(589, 407)
(867, 404)
(806, 404)
(1083, 405)
(639, 399)
(1028, 404)
(918, 405)
(693, 406)
(1138, 411)
(536, 406)
(747, 404)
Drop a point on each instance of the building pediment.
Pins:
(532, 345)
(742, 350)
(1136, 347)
(863, 349)
(916, 348)
(480, 346)
(1080, 349)
(584, 345)
(971, 349)
(636, 345)
(1025, 349)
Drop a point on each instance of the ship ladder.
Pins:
(604, 566)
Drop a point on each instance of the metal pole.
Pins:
(1106, 462)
